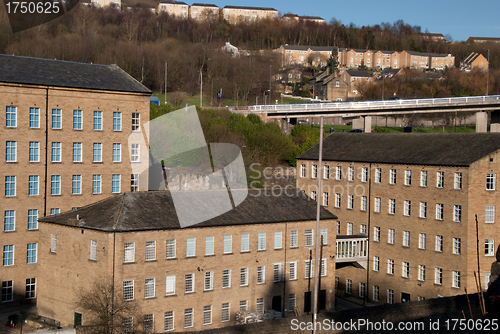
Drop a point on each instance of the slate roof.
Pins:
(154, 210)
(356, 73)
(436, 149)
(251, 8)
(59, 73)
(204, 5)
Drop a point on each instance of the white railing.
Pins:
(351, 249)
(350, 106)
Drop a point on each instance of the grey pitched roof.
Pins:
(438, 149)
(59, 73)
(356, 73)
(204, 5)
(154, 210)
(246, 7)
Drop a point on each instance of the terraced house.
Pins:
(415, 198)
(65, 129)
(255, 258)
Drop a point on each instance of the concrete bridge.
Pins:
(352, 249)
(363, 110)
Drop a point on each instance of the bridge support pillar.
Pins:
(368, 124)
(481, 121)
(495, 121)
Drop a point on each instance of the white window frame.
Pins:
(189, 283)
(392, 176)
(491, 181)
(129, 252)
(407, 177)
(244, 276)
(350, 174)
(376, 263)
(391, 236)
(149, 287)
(278, 237)
(226, 278)
(489, 247)
(208, 281)
(423, 178)
(489, 215)
(439, 211)
(261, 241)
(458, 181)
(407, 208)
(326, 172)
(440, 179)
(350, 202)
(171, 248)
(457, 246)
(439, 243)
(392, 206)
(151, 250)
(294, 238)
(378, 203)
(378, 175)
(423, 210)
(422, 241)
(228, 244)
(93, 250)
(338, 173)
(245, 242)
(190, 247)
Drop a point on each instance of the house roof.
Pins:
(173, 2)
(204, 5)
(59, 73)
(154, 210)
(438, 149)
(356, 73)
(306, 47)
(252, 8)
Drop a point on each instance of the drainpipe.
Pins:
(46, 149)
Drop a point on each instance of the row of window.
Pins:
(363, 176)
(421, 240)
(56, 152)
(8, 290)
(208, 279)
(188, 319)
(56, 119)
(171, 251)
(8, 254)
(76, 184)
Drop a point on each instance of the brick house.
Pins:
(298, 55)
(474, 60)
(65, 129)
(415, 197)
(236, 14)
(255, 257)
(354, 80)
(175, 8)
(202, 12)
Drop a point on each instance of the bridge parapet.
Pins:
(352, 248)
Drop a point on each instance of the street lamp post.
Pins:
(165, 82)
(201, 89)
(488, 74)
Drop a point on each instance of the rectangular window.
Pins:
(116, 183)
(209, 281)
(129, 252)
(363, 203)
(362, 228)
(261, 274)
(117, 121)
(170, 285)
(93, 250)
(292, 301)
(457, 246)
(228, 244)
(423, 178)
(421, 272)
(31, 256)
(134, 182)
(77, 152)
(293, 271)
(56, 152)
(406, 238)
(348, 286)
(439, 211)
(407, 208)
(171, 249)
(337, 200)
(361, 291)
(456, 279)
(188, 317)
(390, 266)
(261, 241)
(10, 151)
(364, 174)
(338, 173)
(169, 321)
(407, 177)
(302, 170)
(390, 296)
(9, 220)
(324, 235)
(376, 233)
(314, 171)
(30, 288)
(491, 181)
(326, 172)
(349, 228)
(392, 206)
(128, 290)
(243, 276)
(294, 239)
(376, 293)
(97, 120)
(458, 180)
(55, 185)
(392, 177)
(149, 323)
(189, 283)
(190, 247)
(376, 263)
(226, 278)
(33, 185)
(439, 243)
(277, 272)
(308, 238)
(421, 241)
(149, 288)
(77, 120)
(117, 152)
(56, 119)
(377, 204)
(35, 118)
(325, 199)
(136, 121)
(390, 238)
(313, 195)
(207, 315)
(8, 255)
(11, 117)
(53, 243)
(245, 242)
(32, 219)
(150, 250)
(423, 209)
(243, 305)
(34, 155)
(337, 228)
(97, 152)
(489, 247)
(457, 213)
(7, 291)
(308, 271)
(76, 185)
(135, 153)
(406, 270)
(351, 174)
(260, 306)
(96, 184)
(440, 180)
(350, 202)
(209, 245)
(378, 175)
(489, 216)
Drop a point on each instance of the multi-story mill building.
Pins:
(64, 131)
(416, 198)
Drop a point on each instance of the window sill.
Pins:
(155, 260)
(190, 257)
(32, 229)
(92, 260)
(209, 255)
(244, 252)
(11, 162)
(174, 295)
(9, 231)
(261, 250)
(228, 253)
(208, 290)
(172, 258)
(78, 162)
(129, 263)
(188, 293)
(148, 298)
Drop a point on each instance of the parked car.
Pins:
(356, 130)
(302, 122)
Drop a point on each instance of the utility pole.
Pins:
(488, 73)
(270, 80)
(165, 82)
(201, 89)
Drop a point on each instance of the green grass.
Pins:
(437, 129)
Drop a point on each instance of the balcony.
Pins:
(351, 250)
